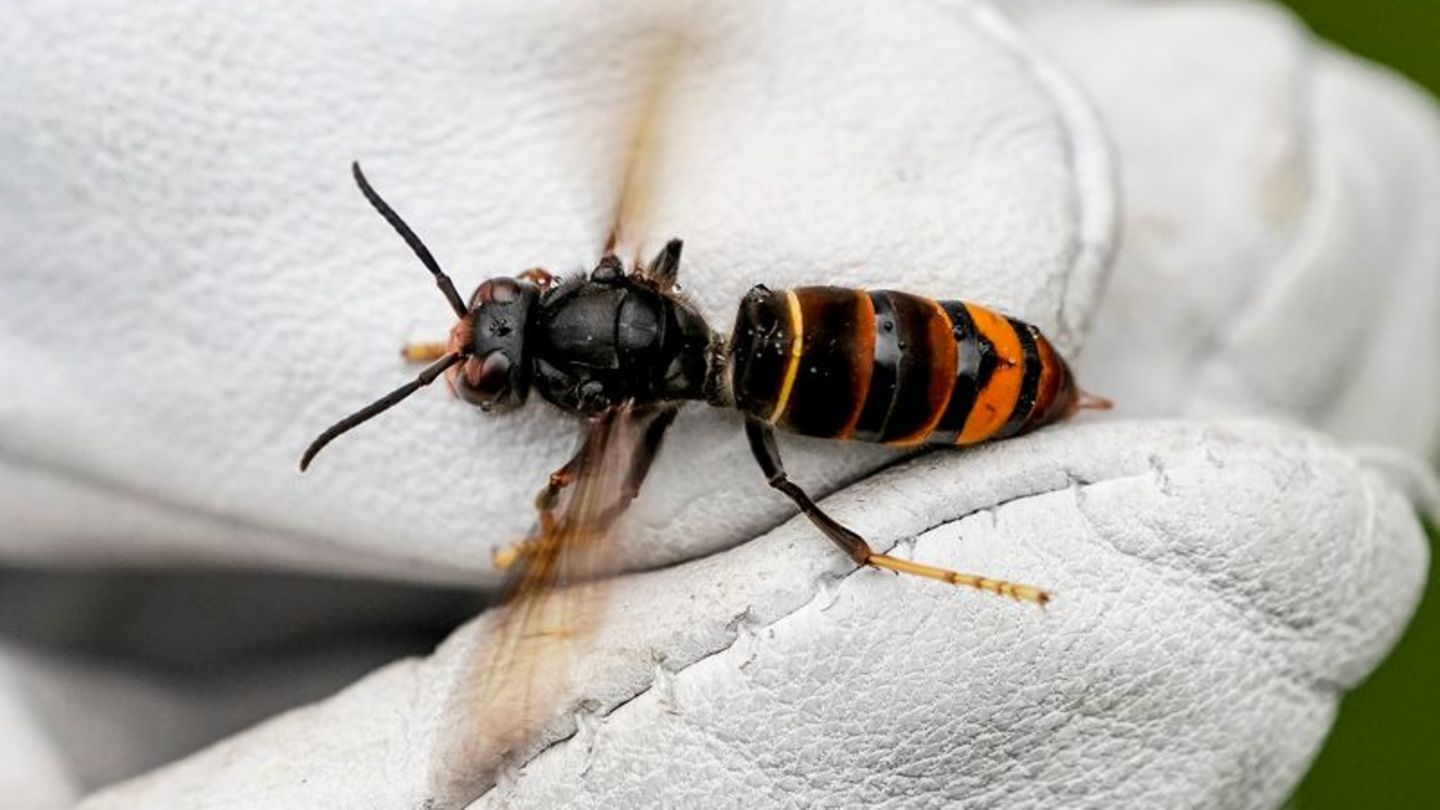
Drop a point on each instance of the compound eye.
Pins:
(496, 290)
(493, 376)
(504, 290)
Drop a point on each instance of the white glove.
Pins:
(1217, 586)
(1279, 254)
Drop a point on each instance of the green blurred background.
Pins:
(1383, 751)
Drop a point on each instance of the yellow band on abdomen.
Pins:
(792, 364)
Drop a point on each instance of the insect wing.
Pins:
(642, 150)
(520, 675)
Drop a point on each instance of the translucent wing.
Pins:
(519, 677)
(643, 150)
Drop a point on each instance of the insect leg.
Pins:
(656, 422)
(660, 421)
(665, 267)
(423, 352)
(559, 480)
(540, 277)
(650, 448)
(767, 454)
(545, 502)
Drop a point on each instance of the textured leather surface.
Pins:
(1217, 588)
(192, 289)
(238, 295)
(1279, 254)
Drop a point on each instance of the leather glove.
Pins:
(1218, 584)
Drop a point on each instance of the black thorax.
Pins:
(599, 343)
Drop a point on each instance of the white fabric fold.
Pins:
(240, 295)
(192, 289)
(1279, 254)
(1218, 586)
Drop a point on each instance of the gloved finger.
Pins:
(1279, 251)
(1217, 588)
(34, 770)
(108, 674)
(73, 722)
(196, 290)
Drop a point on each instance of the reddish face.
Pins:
(495, 375)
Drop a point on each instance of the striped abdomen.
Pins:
(885, 366)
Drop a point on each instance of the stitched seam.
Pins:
(1245, 612)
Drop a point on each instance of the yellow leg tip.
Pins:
(422, 352)
(505, 558)
(1013, 590)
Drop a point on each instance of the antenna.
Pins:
(441, 280)
(379, 406)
